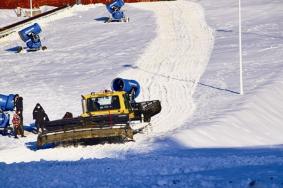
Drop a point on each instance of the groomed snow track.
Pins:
(170, 68)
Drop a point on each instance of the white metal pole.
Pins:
(30, 3)
(240, 49)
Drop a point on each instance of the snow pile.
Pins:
(46, 8)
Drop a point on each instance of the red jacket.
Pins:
(16, 120)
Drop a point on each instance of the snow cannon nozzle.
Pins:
(131, 87)
(25, 34)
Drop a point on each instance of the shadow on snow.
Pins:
(178, 79)
(169, 164)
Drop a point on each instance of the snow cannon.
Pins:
(25, 33)
(114, 9)
(7, 103)
(30, 36)
(4, 122)
(131, 87)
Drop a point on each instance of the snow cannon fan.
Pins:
(131, 87)
(114, 9)
(30, 36)
(7, 103)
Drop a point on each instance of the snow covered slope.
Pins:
(225, 118)
(173, 63)
(84, 54)
(81, 62)
(166, 47)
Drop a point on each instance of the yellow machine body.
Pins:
(110, 102)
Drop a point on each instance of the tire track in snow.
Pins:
(174, 62)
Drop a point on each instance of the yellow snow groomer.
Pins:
(105, 114)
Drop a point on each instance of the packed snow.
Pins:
(184, 53)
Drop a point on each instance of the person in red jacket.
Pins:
(16, 121)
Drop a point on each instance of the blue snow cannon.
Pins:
(131, 87)
(4, 122)
(114, 9)
(30, 36)
(7, 103)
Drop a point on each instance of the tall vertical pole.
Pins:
(30, 3)
(240, 49)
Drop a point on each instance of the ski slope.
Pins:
(207, 135)
(67, 71)
(227, 118)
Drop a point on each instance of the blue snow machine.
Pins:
(117, 15)
(30, 36)
(7, 103)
